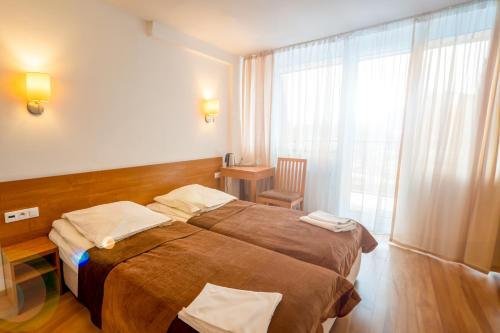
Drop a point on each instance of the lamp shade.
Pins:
(211, 107)
(38, 86)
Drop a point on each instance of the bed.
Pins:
(178, 260)
(223, 260)
(280, 230)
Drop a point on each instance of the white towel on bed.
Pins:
(328, 225)
(322, 216)
(219, 309)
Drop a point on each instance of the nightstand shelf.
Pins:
(32, 271)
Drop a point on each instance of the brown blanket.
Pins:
(280, 230)
(148, 278)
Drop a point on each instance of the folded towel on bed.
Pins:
(330, 226)
(220, 309)
(322, 216)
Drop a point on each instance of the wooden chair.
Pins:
(289, 184)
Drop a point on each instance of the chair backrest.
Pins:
(290, 175)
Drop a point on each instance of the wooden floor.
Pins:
(402, 291)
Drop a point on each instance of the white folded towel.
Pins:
(328, 225)
(219, 309)
(327, 217)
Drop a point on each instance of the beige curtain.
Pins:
(483, 244)
(448, 192)
(256, 91)
(256, 109)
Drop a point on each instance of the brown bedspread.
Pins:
(145, 280)
(279, 229)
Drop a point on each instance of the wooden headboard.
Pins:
(59, 194)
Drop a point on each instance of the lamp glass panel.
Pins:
(38, 87)
(211, 107)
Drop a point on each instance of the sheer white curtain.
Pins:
(256, 74)
(339, 103)
(483, 237)
(400, 125)
(444, 130)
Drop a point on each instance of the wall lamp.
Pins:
(211, 108)
(38, 90)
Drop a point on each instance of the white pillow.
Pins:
(174, 213)
(105, 224)
(182, 205)
(195, 198)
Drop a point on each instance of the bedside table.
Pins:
(32, 272)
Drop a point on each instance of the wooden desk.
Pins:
(252, 174)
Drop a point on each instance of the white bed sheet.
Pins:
(70, 279)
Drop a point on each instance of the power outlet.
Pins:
(22, 214)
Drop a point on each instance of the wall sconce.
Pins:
(211, 108)
(37, 90)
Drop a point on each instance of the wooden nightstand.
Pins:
(32, 272)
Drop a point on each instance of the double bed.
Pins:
(143, 281)
(144, 290)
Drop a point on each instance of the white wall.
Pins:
(120, 97)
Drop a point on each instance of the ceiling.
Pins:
(248, 26)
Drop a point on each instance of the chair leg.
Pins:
(302, 205)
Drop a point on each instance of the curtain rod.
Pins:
(350, 32)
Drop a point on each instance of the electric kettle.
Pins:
(229, 160)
